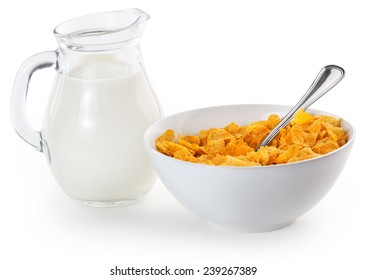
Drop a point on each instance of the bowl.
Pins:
(253, 199)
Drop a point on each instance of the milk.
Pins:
(93, 129)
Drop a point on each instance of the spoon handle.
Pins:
(327, 78)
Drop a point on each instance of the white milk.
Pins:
(93, 133)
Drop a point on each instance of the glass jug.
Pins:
(100, 104)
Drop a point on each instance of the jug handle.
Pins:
(19, 97)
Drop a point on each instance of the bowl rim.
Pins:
(282, 165)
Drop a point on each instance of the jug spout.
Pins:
(109, 29)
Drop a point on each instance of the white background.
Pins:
(197, 54)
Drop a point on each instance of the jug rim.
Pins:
(102, 28)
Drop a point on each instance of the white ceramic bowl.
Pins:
(259, 198)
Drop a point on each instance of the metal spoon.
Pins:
(328, 77)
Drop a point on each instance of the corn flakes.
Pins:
(305, 137)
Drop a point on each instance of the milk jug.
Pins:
(99, 106)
